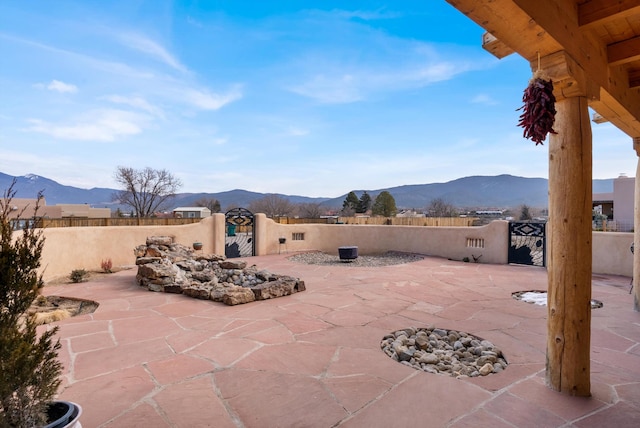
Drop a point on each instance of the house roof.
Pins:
(201, 209)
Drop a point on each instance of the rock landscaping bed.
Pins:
(48, 309)
(173, 268)
(386, 259)
(447, 352)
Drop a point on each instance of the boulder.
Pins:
(231, 264)
(238, 295)
(198, 291)
(159, 240)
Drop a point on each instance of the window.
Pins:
(297, 236)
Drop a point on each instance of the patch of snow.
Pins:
(32, 177)
(535, 297)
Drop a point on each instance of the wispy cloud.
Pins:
(293, 131)
(86, 60)
(484, 99)
(357, 84)
(358, 61)
(101, 125)
(62, 87)
(146, 45)
(366, 15)
(207, 100)
(331, 89)
(136, 102)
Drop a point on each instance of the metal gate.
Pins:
(238, 241)
(527, 243)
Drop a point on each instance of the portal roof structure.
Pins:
(592, 46)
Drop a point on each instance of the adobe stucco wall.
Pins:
(612, 253)
(71, 248)
(447, 242)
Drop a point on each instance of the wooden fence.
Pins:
(392, 221)
(124, 221)
(129, 221)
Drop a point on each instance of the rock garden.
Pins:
(449, 352)
(164, 265)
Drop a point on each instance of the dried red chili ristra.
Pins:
(538, 111)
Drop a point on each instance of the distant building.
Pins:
(191, 212)
(24, 208)
(617, 206)
(409, 213)
(83, 211)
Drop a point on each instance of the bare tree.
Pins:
(310, 210)
(438, 207)
(146, 190)
(273, 206)
(212, 203)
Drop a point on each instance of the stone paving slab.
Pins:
(313, 359)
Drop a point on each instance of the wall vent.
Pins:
(475, 243)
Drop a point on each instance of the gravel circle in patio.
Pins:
(448, 352)
(386, 259)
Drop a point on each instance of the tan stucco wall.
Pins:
(612, 254)
(69, 248)
(448, 242)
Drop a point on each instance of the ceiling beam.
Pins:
(602, 11)
(634, 78)
(624, 52)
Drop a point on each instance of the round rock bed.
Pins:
(447, 352)
(386, 259)
(48, 309)
(538, 297)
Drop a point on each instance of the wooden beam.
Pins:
(602, 11)
(569, 79)
(615, 113)
(570, 237)
(495, 47)
(624, 52)
(634, 78)
(532, 27)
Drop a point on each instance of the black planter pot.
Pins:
(61, 414)
(348, 253)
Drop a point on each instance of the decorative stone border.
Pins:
(539, 297)
(448, 352)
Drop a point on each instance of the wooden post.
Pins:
(636, 231)
(569, 293)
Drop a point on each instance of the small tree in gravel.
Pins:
(29, 369)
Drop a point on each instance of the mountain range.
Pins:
(500, 191)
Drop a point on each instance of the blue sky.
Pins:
(312, 98)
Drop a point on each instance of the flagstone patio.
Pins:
(313, 359)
